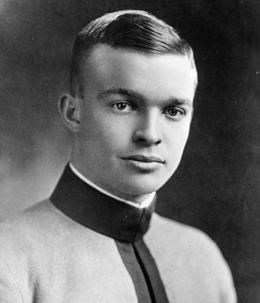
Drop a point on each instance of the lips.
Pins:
(147, 159)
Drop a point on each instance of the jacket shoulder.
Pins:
(184, 236)
(30, 221)
(187, 242)
(19, 236)
(193, 254)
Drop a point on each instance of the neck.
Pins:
(139, 201)
(101, 213)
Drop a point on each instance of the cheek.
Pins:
(177, 140)
(110, 135)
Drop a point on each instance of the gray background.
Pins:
(216, 188)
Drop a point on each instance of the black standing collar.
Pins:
(99, 212)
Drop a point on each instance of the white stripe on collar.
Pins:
(143, 204)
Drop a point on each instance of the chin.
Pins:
(143, 187)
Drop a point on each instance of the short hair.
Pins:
(130, 29)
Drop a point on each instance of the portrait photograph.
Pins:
(129, 151)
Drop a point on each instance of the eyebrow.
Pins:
(137, 96)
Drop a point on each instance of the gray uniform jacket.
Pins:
(82, 246)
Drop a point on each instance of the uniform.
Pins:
(83, 246)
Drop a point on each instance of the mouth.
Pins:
(146, 159)
(144, 163)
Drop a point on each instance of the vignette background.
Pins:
(216, 187)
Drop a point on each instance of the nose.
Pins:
(147, 132)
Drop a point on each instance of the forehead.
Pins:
(153, 75)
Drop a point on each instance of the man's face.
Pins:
(134, 119)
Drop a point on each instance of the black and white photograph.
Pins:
(129, 151)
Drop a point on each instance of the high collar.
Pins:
(143, 204)
(99, 212)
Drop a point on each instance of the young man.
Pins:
(133, 81)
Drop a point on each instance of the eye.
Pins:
(174, 113)
(122, 107)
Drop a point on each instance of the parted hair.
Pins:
(132, 29)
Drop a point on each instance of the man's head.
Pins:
(130, 29)
(133, 81)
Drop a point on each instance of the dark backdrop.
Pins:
(216, 187)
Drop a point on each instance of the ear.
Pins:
(69, 108)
